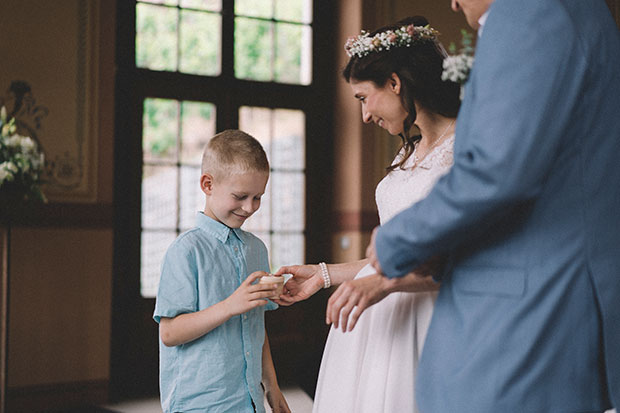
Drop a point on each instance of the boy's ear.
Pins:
(206, 183)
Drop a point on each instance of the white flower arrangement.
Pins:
(21, 165)
(456, 66)
(362, 45)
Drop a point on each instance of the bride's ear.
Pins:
(395, 83)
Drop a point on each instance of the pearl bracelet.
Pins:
(327, 281)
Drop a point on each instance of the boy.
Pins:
(210, 312)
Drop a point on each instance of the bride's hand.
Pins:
(360, 294)
(306, 280)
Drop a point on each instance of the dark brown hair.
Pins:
(419, 68)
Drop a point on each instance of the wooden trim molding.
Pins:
(56, 397)
(66, 215)
(5, 236)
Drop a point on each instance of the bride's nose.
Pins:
(366, 116)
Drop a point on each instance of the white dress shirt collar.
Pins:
(481, 21)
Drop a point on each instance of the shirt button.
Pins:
(247, 353)
(236, 249)
(245, 316)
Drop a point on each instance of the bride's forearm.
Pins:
(342, 272)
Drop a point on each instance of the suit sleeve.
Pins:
(518, 106)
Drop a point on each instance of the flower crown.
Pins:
(362, 45)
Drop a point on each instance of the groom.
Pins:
(528, 316)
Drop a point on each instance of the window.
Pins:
(273, 40)
(182, 36)
(206, 65)
(185, 70)
(173, 135)
(280, 220)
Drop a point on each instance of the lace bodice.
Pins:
(403, 187)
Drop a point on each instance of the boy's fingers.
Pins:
(261, 294)
(259, 303)
(251, 278)
(262, 287)
(254, 276)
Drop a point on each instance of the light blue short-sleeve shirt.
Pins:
(220, 371)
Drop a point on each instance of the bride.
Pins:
(395, 73)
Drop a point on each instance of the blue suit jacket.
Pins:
(528, 315)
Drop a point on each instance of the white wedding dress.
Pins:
(373, 368)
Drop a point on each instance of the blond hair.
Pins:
(233, 151)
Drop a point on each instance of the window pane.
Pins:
(160, 129)
(261, 220)
(192, 198)
(287, 201)
(294, 54)
(287, 249)
(257, 122)
(288, 143)
(294, 10)
(254, 8)
(156, 37)
(253, 49)
(212, 5)
(154, 246)
(200, 43)
(159, 197)
(197, 127)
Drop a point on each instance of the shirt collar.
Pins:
(217, 229)
(481, 21)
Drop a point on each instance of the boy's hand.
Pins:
(249, 295)
(306, 280)
(276, 401)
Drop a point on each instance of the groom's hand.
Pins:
(371, 252)
(348, 302)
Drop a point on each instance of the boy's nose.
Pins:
(455, 5)
(250, 206)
